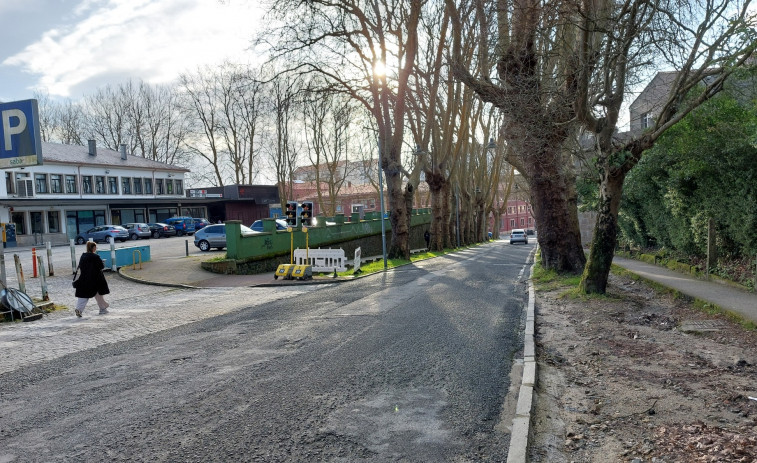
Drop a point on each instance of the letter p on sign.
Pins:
(10, 129)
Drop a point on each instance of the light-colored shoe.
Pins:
(104, 312)
(78, 313)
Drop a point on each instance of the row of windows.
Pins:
(35, 221)
(98, 184)
(519, 209)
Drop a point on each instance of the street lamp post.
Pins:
(381, 198)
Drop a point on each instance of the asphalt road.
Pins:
(408, 365)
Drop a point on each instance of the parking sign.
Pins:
(20, 141)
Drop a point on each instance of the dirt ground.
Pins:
(640, 376)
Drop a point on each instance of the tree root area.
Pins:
(623, 378)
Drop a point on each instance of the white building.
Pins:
(79, 187)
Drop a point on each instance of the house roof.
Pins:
(79, 154)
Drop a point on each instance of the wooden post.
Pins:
(19, 273)
(50, 270)
(42, 279)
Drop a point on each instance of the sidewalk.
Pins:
(728, 298)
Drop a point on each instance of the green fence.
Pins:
(265, 251)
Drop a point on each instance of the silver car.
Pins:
(214, 236)
(138, 230)
(108, 233)
(518, 235)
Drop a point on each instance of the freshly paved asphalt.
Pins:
(739, 301)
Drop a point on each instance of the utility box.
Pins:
(9, 234)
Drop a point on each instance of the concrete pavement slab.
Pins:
(727, 297)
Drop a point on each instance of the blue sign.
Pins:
(20, 141)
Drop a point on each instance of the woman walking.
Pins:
(91, 282)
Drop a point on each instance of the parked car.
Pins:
(518, 235)
(214, 236)
(103, 233)
(138, 230)
(258, 225)
(159, 230)
(200, 223)
(183, 225)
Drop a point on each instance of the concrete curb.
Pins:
(154, 283)
(518, 452)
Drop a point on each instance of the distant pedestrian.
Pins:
(91, 282)
(427, 237)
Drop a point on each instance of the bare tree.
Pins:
(357, 45)
(328, 117)
(283, 106)
(704, 42)
(534, 92)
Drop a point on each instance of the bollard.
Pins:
(19, 273)
(34, 262)
(113, 256)
(3, 277)
(50, 259)
(43, 280)
(186, 247)
(73, 257)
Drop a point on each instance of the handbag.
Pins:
(77, 275)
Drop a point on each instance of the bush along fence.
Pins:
(263, 252)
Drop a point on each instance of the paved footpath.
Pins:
(136, 310)
(727, 297)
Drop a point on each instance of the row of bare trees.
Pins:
(553, 70)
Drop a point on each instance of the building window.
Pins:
(169, 187)
(71, 184)
(86, 183)
(99, 185)
(36, 219)
(158, 186)
(512, 223)
(522, 222)
(18, 219)
(126, 185)
(56, 183)
(53, 221)
(40, 183)
(8, 182)
(646, 121)
(137, 186)
(113, 185)
(179, 187)
(148, 186)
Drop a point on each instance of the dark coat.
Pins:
(91, 280)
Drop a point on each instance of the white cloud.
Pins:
(153, 40)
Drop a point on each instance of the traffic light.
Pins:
(291, 213)
(306, 214)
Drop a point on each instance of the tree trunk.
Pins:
(556, 215)
(594, 278)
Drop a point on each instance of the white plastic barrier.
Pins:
(322, 260)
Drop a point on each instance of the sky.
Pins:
(69, 48)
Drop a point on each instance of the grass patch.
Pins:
(378, 265)
(714, 309)
(545, 280)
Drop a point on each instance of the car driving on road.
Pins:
(518, 235)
